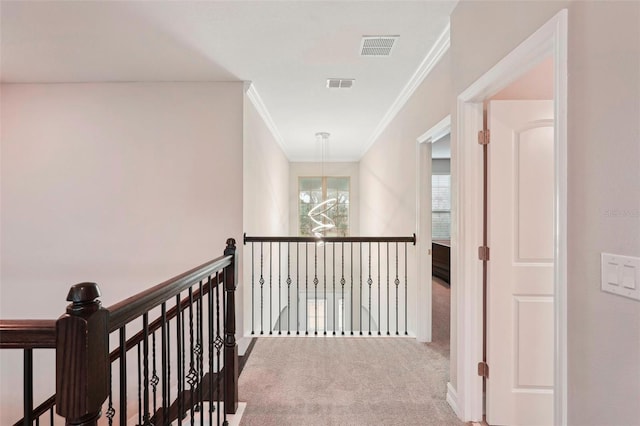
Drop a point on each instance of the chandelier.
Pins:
(318, 214)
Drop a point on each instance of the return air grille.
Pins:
(377, 45)
(340, 83)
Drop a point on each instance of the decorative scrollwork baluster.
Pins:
(261, 290)
(288, 288)
(370, 283)
(111, 412)
(342, 283)
(397, 283)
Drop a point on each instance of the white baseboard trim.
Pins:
(452, 399)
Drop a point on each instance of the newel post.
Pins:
(230, 346)
(82, 357)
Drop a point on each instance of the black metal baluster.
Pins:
(388, 327)
(183, 373)
(379, 285)
(145, 346)
(218, 344)
(164, 362)
(123, 376)
(370, 283)
(279, 288)
(110, 410)
(333, 274)
(405, 290)
(315, 284)
(167, 407)
(297, 289)
(397, 283)
(288, 288)
(351, 299)
(210, 342)
(360, 304)
(199, 353)
(252, 289)
(261, 291)
(51, 420)
(324, 285)
(192, 376)
(28, 385)
(270, 289)
(139, 384)
(179, 356)
(154, 373)
(342, 283)
(306, 289)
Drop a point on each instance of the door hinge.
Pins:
(484, 137)
(483, 253)
(483, 370)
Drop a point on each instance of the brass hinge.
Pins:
(484, 137)
(483, 370)
(483, 253)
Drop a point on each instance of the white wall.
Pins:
(266, 194)
(604, 179)
(122, 184)
(388, 170)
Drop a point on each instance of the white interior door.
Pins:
(520, 332)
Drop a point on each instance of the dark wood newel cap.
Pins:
(231, 243)
(83, 293)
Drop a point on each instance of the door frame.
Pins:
(424, 307)
(548, 40)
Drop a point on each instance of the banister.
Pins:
(27, 334)
(131, 308)
(411, 239)
(80, 338)
(157, 323)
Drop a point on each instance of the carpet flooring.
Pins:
(349, 380)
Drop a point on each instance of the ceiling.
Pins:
(287, 49)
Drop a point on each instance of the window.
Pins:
(441, 207)
(314, 190)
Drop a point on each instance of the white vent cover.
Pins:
(377, 45)
(340, 83)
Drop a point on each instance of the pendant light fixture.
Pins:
(318, 214)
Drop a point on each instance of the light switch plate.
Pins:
(620, 275)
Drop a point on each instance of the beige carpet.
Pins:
(347, 381)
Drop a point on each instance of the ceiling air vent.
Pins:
(377, 45)
(340, 83)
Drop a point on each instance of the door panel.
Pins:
(520, 300)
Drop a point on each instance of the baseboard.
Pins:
(452, 399)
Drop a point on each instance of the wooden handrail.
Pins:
(133, 307)
(411, 239)
(27, 334)
(171, 314)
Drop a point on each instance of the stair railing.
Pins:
(330, 286)
(181, 354)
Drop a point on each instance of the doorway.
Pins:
(425, 149)
(549, 41)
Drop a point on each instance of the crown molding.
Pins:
(439, 48)
(256, 100)
(437, 132)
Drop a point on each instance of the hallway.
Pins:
(352, 380)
